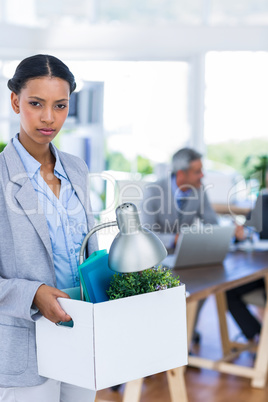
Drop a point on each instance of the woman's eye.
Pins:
(35, 103)
(61, 106)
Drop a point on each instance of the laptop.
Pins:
(207, 246)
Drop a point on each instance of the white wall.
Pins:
(125, 42)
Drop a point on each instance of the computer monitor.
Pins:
(264, 232)
(259, 216)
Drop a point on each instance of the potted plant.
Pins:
(136, 283)
(258, 166)
(2, 146)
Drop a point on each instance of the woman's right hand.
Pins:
(46, 301)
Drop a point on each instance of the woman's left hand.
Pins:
(46, 301)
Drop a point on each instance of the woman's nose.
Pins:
(47, 115)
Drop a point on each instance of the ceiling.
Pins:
(182, 12)
(131, 29)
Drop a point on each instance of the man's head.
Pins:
(187, 166)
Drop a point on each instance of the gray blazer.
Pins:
(26, 261)
(160, 212)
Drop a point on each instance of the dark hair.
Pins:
(40, 65)
(181, 159)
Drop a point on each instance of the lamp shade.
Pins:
(135, 248)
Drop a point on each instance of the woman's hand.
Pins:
(46, 301)
(176, 239)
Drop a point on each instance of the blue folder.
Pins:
(95, 276)
(74, 293)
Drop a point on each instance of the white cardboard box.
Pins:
(116, 341)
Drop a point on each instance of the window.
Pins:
(145, 106)
(236, 102)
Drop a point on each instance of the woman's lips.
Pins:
(46, 131)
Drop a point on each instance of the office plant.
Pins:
(2, 146)
(257, 167)
(136, 283)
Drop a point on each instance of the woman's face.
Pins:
(43, 105)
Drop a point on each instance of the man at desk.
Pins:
(250, 325)
(179, 200)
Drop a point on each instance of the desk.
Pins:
(238, 269)
(230, 209)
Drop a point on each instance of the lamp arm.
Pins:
(92, 231)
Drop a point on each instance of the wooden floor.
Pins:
(202, 385)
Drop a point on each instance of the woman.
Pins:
(45, 214)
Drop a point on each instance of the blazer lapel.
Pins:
(80, 182)
(28, 200)
(27, 197)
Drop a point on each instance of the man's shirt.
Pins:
(180, 196)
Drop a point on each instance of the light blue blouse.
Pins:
(66, 218)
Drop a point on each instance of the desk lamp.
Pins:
(135, 248)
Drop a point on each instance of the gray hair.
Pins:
(181, 159)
